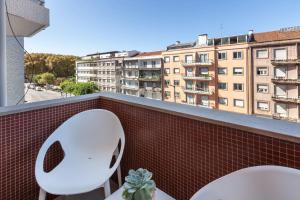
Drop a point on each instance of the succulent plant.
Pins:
(138, 185)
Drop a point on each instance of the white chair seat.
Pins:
(89, 141)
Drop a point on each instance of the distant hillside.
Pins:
(60, 65)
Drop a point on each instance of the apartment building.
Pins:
(276, 78)
(142, 75)
(212, 73)
(27, 18)
(105, 69)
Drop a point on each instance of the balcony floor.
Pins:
(97, 194)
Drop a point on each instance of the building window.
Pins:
(177, 94)
(167, 82)
(176, 70)
(222, 86)
(188, 59)
(281, 109)
(238, 103)
(176, 82)
(238, 87)
(222, 70)
(237, 55)
(167, 70)
(280, 54)
(145, 63)
(262, 88)
(175, 58)
(223, 101)
(261, 105)
(262, 53)
(153, 63)
(222, 55)
(262, 71)
(167, 93)
(203, 58)
(167, 59)
(238, 71)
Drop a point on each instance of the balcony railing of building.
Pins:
(130, 77)
(286, 99)
(130, 87)
(284, 116)
(153, 67)
(194, 63)
(287, 62)
(285, 80)
(197, 76)
(197, 90)
(150, 78)
(182, 145)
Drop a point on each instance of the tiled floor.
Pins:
(94, 195)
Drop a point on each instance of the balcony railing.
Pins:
(285, 62)
(150, 78)
(197, 76)
(286, 99)
(284, 80)
(130, 87)
(283, 116)
(150, 68)
(197, 90)
(198, 144)
(194, 63)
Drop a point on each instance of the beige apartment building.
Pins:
(212, 73)
(276, 79)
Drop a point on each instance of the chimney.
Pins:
(250, 35)
(177, 42)
(202, 39)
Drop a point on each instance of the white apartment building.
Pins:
(142, 75)
(27, 18)
(103, 68)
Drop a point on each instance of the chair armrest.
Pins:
(39, 164)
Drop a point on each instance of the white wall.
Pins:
(15, 70)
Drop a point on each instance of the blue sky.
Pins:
(80, 27)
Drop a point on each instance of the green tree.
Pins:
(78, 88)
(47, 78)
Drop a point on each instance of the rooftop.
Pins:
(277, 35)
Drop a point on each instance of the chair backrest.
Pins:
(254, 183)
(95, 133)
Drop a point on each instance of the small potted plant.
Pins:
(139, 186)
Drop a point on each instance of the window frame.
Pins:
(223, 83)
(238, 74)
(242, 90)
(262, 74)
(234, 103)
(239, 58)
(223, 68)
(222, 52)
(263, 102)
(258, 84)
(165, 61)
(222, 103)
(176, 60)
(256, 53)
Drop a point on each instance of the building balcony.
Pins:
(182, 145)
(281, 116)
(156, 68)
(150, 78)
(130, 77)
(27, 17)
(130, 87)
(197, 76)
(286, 99)
(196, 90)
(127, 68)
(287, 62)
(195, 63)
(284, 80)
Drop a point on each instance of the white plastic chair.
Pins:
(89, 140)
(254, 183)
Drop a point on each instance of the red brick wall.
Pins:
(186, 154)
(21, 136)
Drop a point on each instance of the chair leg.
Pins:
(42, 195)
(119, 176)
(107, 188)
(116, 153)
